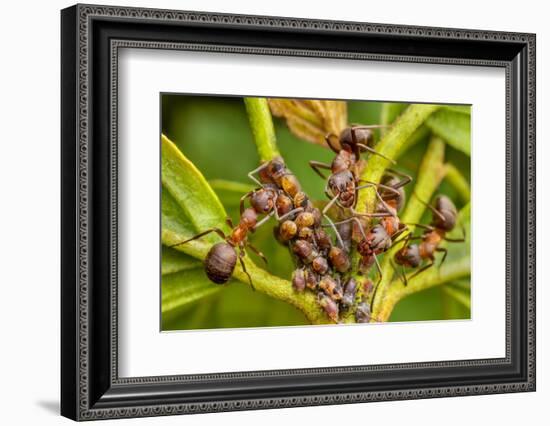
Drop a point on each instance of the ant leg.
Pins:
(369, 184)
(256, 170)
(335, 149)
(420, 225)
(378, 268)
(407, 238)
(202, 234)
(378, 185)
(445, 252)
(373, 151)
(361, 229)
(401, 275)
(356, 213)
(432, 263)
(229, 222)
(330, 203)
(338, 236)
(241, 256)
(261, 222)
(245, 196)
(316, 165)
(258, 252)
(406, 178)
(432, 208)
(399, 232)
(457, 240)
(290, 213)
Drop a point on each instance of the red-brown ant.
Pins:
(343, 184)
(444, 216)
(222, 257)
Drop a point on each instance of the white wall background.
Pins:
(29, 225)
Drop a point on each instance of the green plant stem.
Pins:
(390, 146)
(458, 181)
(426, 280)
(262, 127)
(431, 172)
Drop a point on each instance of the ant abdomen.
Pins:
(220, 262)
(446, 208)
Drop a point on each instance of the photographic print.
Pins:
(293, 212)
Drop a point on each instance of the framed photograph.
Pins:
(263, 212)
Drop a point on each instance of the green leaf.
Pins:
(190, 189)
(182, 288)
(230, 192)
(453, 127)
(174, 261)
(458, 181)
(458, 295)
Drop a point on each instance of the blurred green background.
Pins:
(213, 132)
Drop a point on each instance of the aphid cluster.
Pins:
(323, 266)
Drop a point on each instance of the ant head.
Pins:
(263, 200)
(273, 170)
(446, 219)
(351, 136)
(341, 182)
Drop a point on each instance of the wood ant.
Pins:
(343, 185)
(222, 257)
(444, 217)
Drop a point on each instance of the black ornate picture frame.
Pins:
(91, 36)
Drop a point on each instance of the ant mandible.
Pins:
(444, 217)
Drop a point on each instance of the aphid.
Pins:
(444, 216)
(299, 279)
(331, 287)
(328, 305)
(287, 230)
(339, 259)
(350, 289)
(322, 239)
(363, 313)
(312, 280)
(320, 265)
(304, 251)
